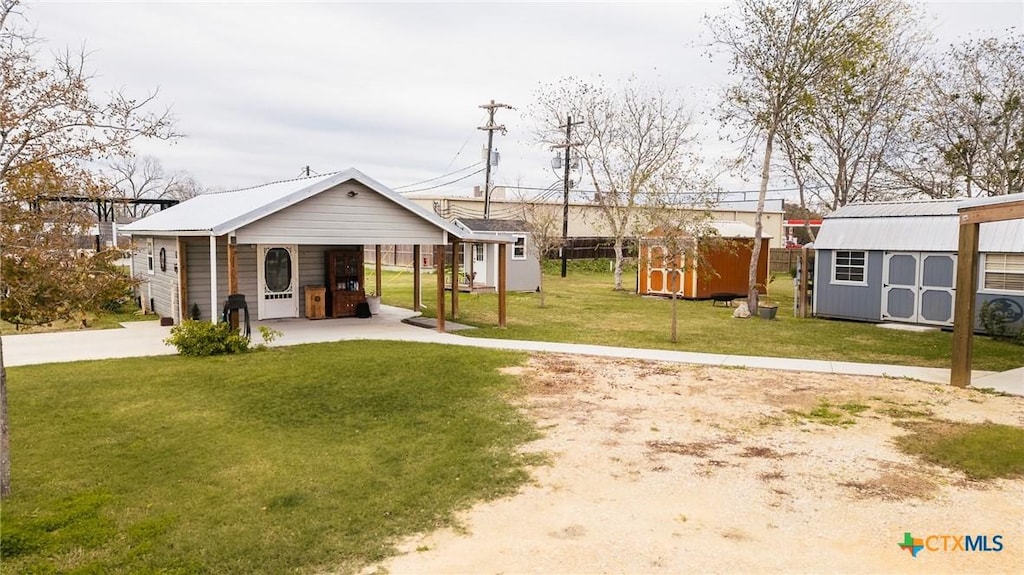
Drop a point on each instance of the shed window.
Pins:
(1004, 272)
(519, 249)
(149, 256)
(849, 267)
(478, 252)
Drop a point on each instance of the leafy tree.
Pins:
(632, 144)
(779, 50)
(857, 107)
(967, 137)
(51, 126)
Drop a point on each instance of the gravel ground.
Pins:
(661, 468)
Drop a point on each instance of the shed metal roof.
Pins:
(492, 226)
(914, 226)
(219, 213)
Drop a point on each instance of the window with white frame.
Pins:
(1004, 272)
(478, 252)
(850, 267)
(519, 249)
(149, 256)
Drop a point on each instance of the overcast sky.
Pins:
(263, 89)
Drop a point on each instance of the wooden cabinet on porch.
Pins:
(345, 284)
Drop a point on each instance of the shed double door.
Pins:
(919, 287)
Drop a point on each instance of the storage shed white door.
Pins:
(918, 287)
(900, 286)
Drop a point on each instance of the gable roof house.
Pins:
(897, 261)
(271, 242)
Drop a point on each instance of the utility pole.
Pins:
(568, 145)
(490, 127)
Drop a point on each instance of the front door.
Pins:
(900, 286)
(278, 278)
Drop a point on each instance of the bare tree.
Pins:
(143, 177)
(544, 226)
(632, 144)
(967, 137)
(50, 126)
(779, 49)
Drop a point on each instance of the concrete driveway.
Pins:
(145, 338)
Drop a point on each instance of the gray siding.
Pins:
(846, 301)
(335, 218)
(162, 285)
(197, 260)
(523, 275)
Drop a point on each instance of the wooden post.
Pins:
(232, 269)
(439, 270)
(502, 277)
(183, 280)
(377, 267)
(805, 270)
(455, 279)
(416, 303)
(963, 312)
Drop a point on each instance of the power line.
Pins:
(441, 185)
(438, 177)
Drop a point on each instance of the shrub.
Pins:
(995, 318)
(202, 338)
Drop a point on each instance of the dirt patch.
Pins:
(662, 468)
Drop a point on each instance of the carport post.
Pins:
(416, 303)
(377, 266)
(963, 310)
(455, 279)
(439, 270)
(213, 279)
(502, 277)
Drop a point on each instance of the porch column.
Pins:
(963, 310)
(416, 303)
(502, 276)
(377, 265)
(182, 280)
(439, 269)
(455, 279)
(213, 279)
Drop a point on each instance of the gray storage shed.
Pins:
(896, 261)
(480, 260)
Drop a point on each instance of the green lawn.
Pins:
(102, 320)
(297, 459)
(583, 308)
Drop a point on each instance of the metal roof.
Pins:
(731, 229)
(914, 226)
(219, 213)
(482, 225)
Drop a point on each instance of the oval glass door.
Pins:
(278, 273)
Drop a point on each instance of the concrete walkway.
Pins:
(146, 338)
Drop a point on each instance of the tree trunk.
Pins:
(5, 444)
(618, 264)
(755, 254)
(541, 287)
(674, 322)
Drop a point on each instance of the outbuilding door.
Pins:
(661, 279)
(918, 287)
(278, 277)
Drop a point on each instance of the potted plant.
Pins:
(373, 300)
(766, 308)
